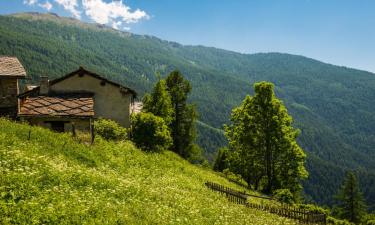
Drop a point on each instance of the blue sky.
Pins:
(340, 32)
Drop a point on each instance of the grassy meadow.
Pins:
(53, 179)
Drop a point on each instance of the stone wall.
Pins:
(8, 92)
(79, 124)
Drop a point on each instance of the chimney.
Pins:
(44, 86)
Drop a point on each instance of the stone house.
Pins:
(11, 70)
(75, 100)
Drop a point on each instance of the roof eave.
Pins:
(13, 76)
(49, 116)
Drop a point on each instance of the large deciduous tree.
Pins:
(263, 142)
(351, 204)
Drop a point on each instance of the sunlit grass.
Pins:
(53, 179)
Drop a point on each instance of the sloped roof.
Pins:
(70, 105)
(11, 66)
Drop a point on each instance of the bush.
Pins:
(109, 129)
(368, 219)
(221, 160)
(313, 208)
(150, 132)
(334, 221)
(283, 195)
(196, 155)
(235, 178)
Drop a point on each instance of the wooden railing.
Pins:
(238, 197)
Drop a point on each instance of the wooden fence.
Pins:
(288, 211)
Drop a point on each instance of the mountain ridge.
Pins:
(48, 15)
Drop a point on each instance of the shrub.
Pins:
(313, 208)
(196, 155)
(235, 178)
(109, 129)
(150, 132)
(334, 221)
(283, 195)
(221, 160)
(368, 219)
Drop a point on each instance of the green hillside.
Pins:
(332, 105)
(53, 179)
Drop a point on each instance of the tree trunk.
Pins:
(269, 159)
(269, 168)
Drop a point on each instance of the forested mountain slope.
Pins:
(332, 105)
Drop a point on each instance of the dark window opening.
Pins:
(57, 126)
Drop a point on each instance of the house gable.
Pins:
(112, 101)
(83, 72)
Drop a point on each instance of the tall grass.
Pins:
(52, 179)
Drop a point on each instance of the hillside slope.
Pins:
(333, 106)
(52, 179)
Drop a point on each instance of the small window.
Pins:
(57, 126)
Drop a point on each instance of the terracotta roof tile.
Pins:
(50, 106)
(10, 66)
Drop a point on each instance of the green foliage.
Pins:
(210, 139)
(235, 178)
(264, 143)
(150, 133)
(180, 117)
(183, 124)
(368, 219)
(351, 205)
(196, 155)
(52, 179)
(313, 208)
(334, 221)
(284, 196)
(159, 102)
(221, 161)
(109, 129)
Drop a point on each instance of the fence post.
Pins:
(73, 130)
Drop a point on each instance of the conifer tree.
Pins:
(183, 123)
(351, 204)
(159, 102)
(264, 143)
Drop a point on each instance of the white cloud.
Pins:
(47, 6)
(71, 6)
(30, 2)
(112, 13)
(116, 24)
